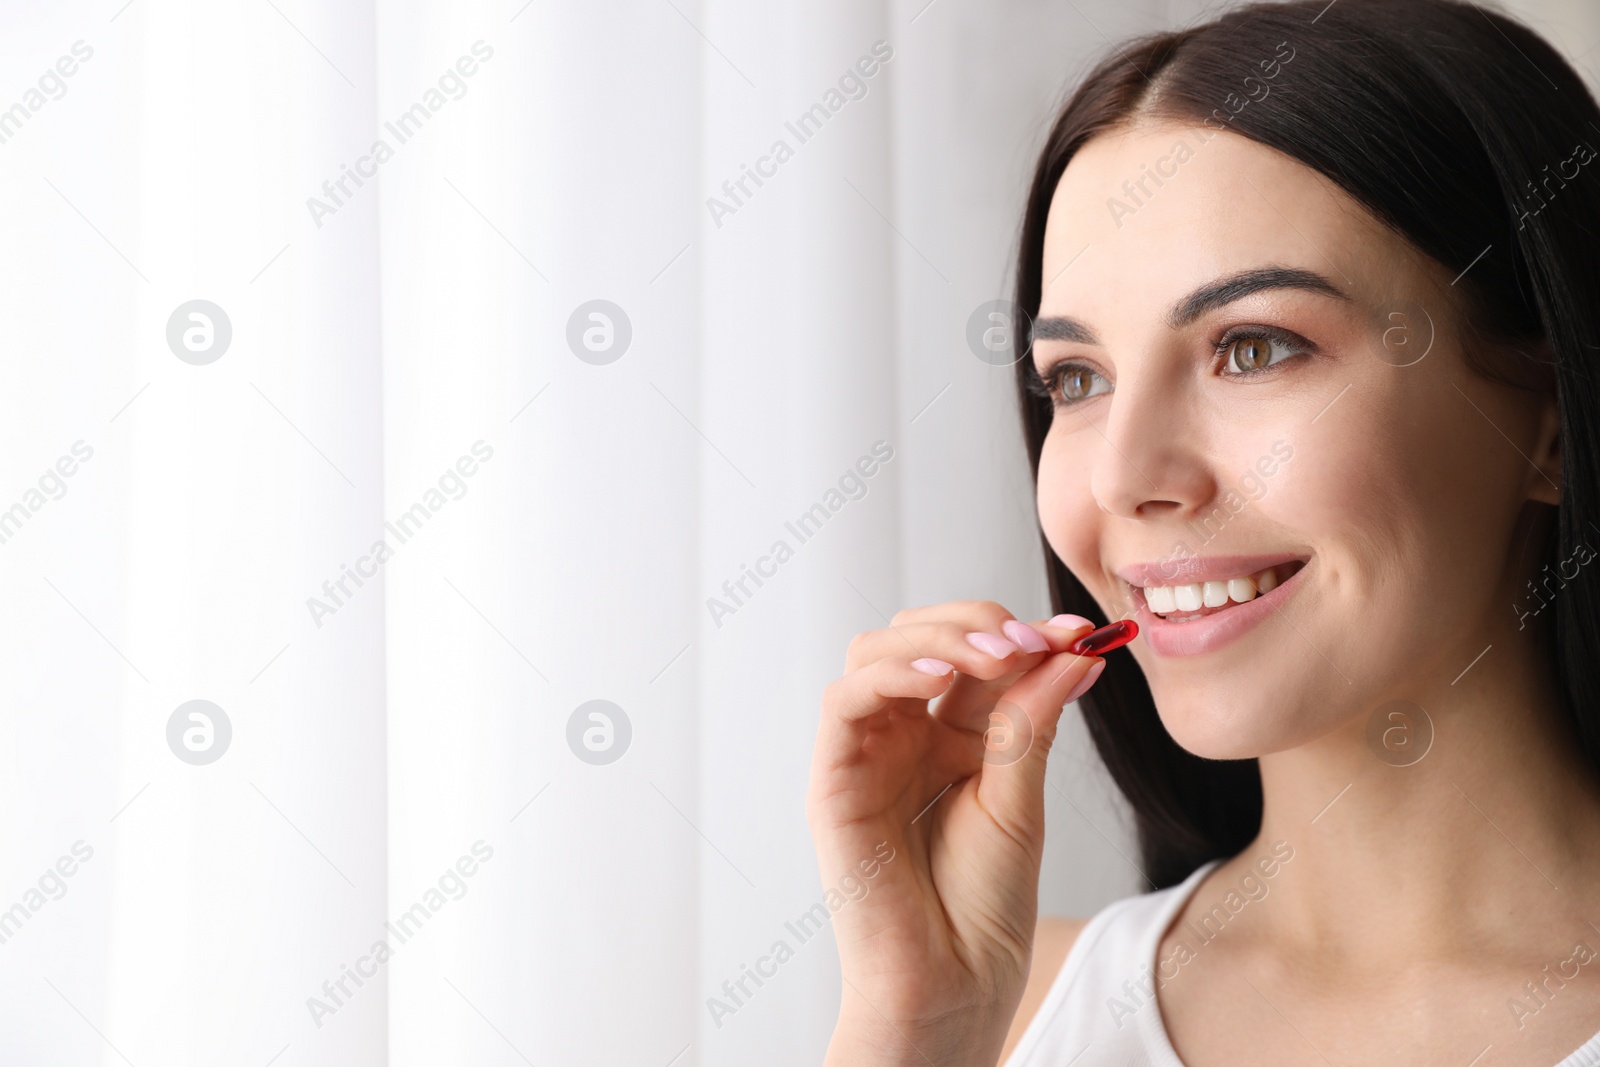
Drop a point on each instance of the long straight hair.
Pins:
(1454, 125)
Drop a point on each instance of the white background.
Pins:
(369, 353)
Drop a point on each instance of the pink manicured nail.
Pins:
(928, 665)
(1071, 622)
(1085, 682)
(1024, 636)
(998, 647)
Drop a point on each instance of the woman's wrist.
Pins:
(867, 1039)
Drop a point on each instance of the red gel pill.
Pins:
(1098, 642)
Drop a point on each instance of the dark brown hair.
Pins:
(1449, 123)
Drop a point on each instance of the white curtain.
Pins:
(430, 501)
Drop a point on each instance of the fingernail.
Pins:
(1024, 636)
(998, 647)
(1071, 622)
(928, 665)
(1103, 640)
(1085, 682)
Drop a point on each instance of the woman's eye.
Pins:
(1071, 383)
(1245, 353)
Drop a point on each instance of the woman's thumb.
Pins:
(1022, 728)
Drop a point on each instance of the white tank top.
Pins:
(1101, 1007)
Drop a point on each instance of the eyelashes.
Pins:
(1224, 345)
(1235, 362)
(1050, 387)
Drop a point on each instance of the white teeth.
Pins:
(1165, 599)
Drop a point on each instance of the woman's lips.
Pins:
(1210, 632)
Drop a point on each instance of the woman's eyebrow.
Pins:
(1213, 294)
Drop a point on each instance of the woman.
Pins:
(1309, 395)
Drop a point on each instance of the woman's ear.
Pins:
(1546, 455)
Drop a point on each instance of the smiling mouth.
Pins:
(1196, 600)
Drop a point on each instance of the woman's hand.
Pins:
(935, 953)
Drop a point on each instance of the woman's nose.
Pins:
(1150, 462)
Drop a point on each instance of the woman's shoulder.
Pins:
(1053, 939)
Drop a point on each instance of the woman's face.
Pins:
(1335, 441)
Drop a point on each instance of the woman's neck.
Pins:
(1498, 821)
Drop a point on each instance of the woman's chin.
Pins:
(1235, 734)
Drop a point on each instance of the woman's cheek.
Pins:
(1256, 468)
(1067, 512)
(1326, 486)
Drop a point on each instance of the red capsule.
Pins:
(1099, 642)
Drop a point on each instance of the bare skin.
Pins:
(935, 956)
(1420, 899)
(1052, 941)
